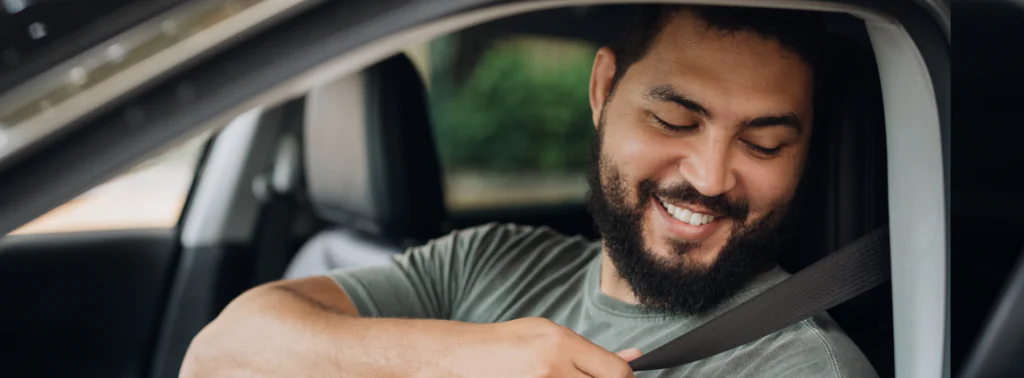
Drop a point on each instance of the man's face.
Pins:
(701, 147)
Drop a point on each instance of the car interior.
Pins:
(351, 173)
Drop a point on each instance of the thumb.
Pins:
(629, 354)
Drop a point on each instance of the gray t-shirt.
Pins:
(496, 273)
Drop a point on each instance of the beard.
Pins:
(679, 285)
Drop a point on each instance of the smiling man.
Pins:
(701, 144)
(704, 118)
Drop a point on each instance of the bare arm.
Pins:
(309, 327)
(302, 328)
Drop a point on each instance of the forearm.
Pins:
(276, 331)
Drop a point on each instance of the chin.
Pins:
(675, 254)
(673, 250)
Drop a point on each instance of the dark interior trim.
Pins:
(998, 350)
(91, 33)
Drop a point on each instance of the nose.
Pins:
(707, 167)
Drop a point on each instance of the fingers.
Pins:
(599, 363)
(586, 357)
(578, 374)
(629, 354)
(613, 367)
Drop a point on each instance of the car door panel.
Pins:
(83, 304)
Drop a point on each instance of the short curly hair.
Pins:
(796, 31)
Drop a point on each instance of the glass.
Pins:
(150, 195)
(511, 118)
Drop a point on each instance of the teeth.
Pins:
(684, 215)
(687, 216)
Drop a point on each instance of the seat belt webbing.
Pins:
(850, 271)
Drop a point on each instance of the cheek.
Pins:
(636, 154)
(631, 149)
(769, 186)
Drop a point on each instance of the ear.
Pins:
(601, 81)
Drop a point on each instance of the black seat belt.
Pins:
(850, 271)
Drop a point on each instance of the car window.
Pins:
(511, 117)
(149, 195)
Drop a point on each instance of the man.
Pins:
(704, 118)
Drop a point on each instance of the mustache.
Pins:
(687, 193)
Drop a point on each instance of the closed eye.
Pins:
(672, 127)
(765, 151)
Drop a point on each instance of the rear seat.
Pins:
(371, 168)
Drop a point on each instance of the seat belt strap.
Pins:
(850, 271)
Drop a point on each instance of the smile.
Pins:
(686, 215)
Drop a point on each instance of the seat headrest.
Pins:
(370, 159)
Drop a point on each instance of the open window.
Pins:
(510, 117)
(151, 195)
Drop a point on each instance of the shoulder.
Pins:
(482, 234)
(503, 237)
(497, 252)
(814, 347)
(500, 246)
(495, 232)
(503, 265)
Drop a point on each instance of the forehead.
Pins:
(736, 69)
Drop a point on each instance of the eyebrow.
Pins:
(667, 93)
(789, 120)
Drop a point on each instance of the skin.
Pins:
(745, 91)
(309, 327)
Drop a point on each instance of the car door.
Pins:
(84, 286)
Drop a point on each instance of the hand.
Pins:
(534, 348)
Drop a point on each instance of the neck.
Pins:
(612, 284)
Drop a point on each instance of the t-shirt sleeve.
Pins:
(426, 282)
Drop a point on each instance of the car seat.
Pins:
(371, 169)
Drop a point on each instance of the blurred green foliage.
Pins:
(521, 109)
